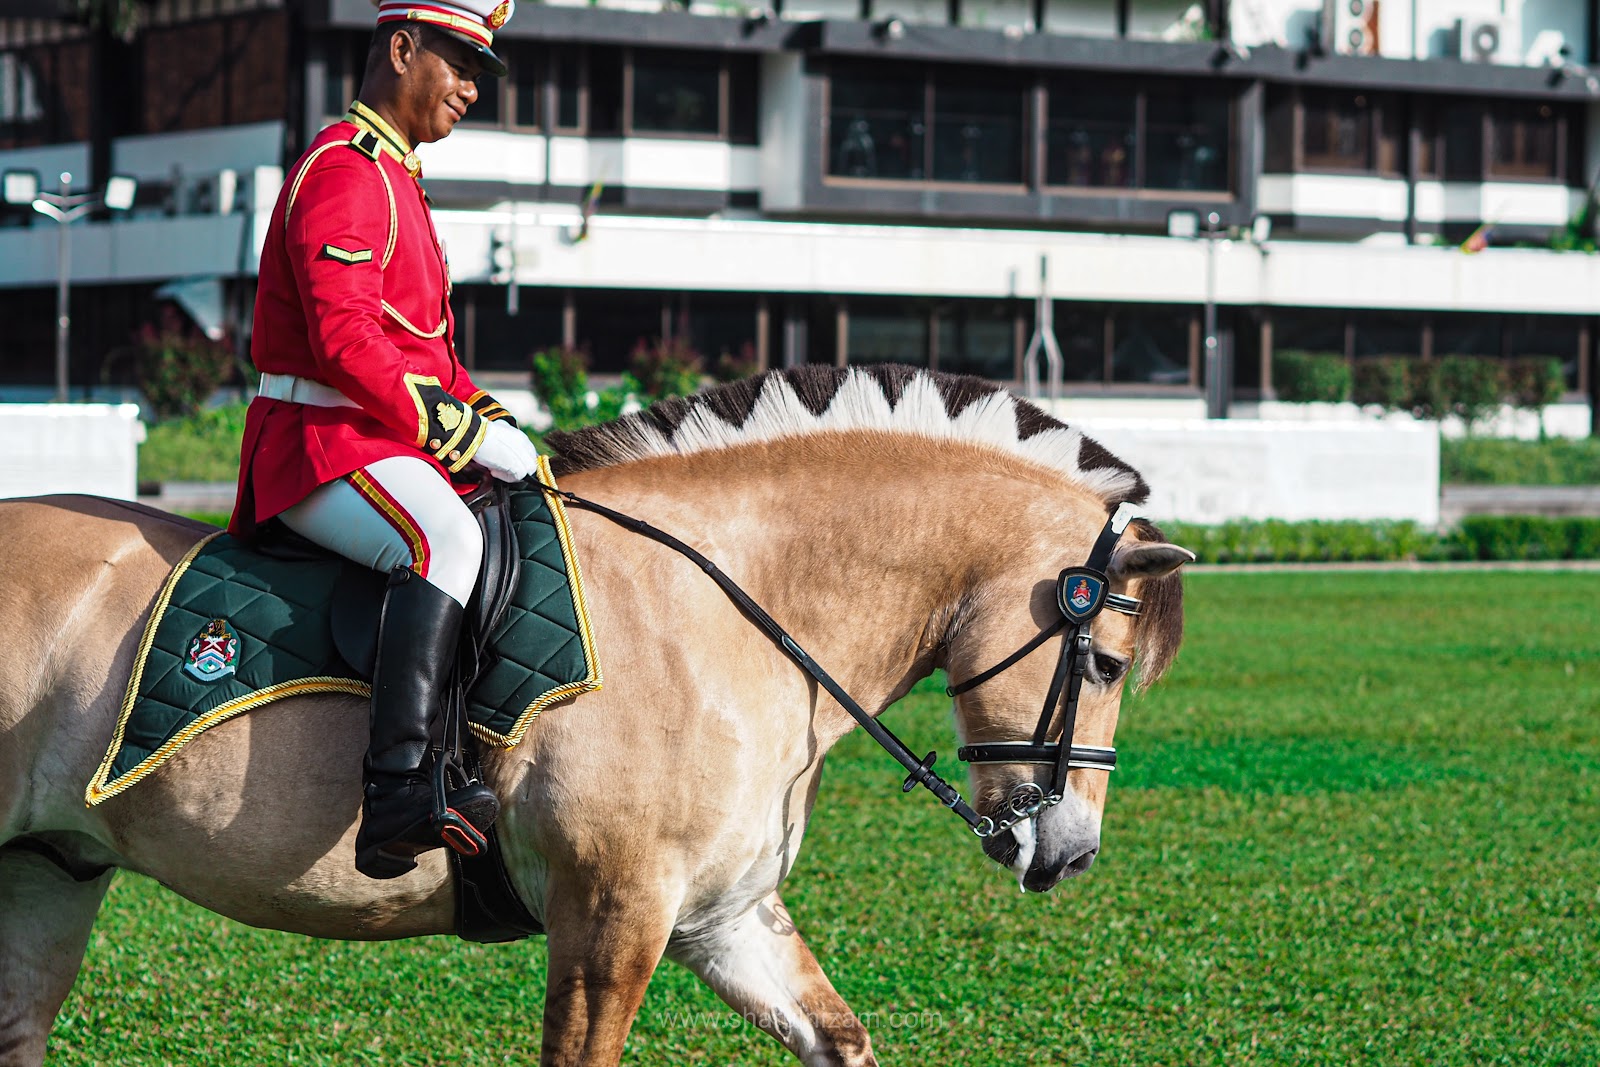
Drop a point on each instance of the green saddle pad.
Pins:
(233, 630)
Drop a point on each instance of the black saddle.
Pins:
(487, 907)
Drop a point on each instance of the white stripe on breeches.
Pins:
(424, 525)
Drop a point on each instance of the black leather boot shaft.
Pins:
(417, 635)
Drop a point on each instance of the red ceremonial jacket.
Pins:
(354, 294)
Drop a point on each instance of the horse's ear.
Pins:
(1146, 559)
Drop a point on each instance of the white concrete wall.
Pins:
(783, 131)
(1364, 197)
(1212, 471)
(1333, 196)
(241, 148)
(750, 255)
(1556, 420)
(70, 448)
(647, 162)
(48, 161)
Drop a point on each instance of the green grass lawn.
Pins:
(1357, 824)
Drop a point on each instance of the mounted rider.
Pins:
(365, 415)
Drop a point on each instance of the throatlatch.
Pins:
(1087, 595)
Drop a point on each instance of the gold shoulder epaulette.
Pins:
(366, 142)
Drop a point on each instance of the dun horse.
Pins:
(894, 521)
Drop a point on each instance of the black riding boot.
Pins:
(417, 636)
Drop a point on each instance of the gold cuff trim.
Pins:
(412, 382)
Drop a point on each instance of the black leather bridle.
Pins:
(1081, 594)
(1078, 607)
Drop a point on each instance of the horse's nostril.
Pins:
(1081, 862)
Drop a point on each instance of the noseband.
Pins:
(1081, 594)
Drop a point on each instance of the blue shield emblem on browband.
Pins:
(214, 652)
(1082, 593)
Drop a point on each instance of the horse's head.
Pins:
(1017, 603)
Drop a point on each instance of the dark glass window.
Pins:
(1151, 344)
(977, 131)
(1280, 129)
(1466, 335)
(876, 124)
(525, 76)
(1524, 140)
(744, 99)
(1551, 336)
(1387, 333)
(888, 331)
(487, 109)
(1308, 330)
(1091, 136)
(605, 90)
(978, 337)
(1186, 142)
(569, 89)
(611, 323)
(1081, 332)
(676, 92)
(1338, 130)
(1461, 140)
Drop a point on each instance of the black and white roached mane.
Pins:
(888, 398)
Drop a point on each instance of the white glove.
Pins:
(506, 452)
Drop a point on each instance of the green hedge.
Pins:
(1487, 537)
(1307, 377)
(1470, 387)
(1491, 461)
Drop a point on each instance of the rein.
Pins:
(920, 772)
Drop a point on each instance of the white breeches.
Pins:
(397, 512)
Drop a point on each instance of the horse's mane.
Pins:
(886, 398)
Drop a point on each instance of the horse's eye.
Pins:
(1107, 669)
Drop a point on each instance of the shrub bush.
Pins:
(1488, 461)
(665, 368)
(177, 366)
(1306, 377)
(1471, 387)
(1381, 381)
(560, 379)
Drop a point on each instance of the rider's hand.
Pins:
(506, 452)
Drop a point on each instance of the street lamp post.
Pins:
(1218, 373)
(65, 207)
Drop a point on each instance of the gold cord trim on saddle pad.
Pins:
(102, 786)
(593, 678)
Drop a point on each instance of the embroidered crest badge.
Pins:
(214, 652)
(498, 16)
(1082, 593)
(449, 416)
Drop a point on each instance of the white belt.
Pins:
(303, 391)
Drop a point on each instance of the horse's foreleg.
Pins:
(604, 946)
(764, 970)
(45, 916)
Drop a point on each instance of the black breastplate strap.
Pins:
(920, 772)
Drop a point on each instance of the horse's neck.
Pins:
(862, 555)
